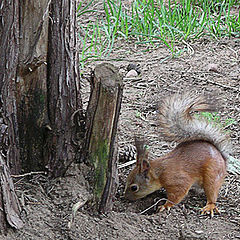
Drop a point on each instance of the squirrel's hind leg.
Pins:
(212, 183)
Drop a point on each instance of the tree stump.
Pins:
(101, 124)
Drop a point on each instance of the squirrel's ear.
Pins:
(145, 166)
(142, 160)
(141, 150)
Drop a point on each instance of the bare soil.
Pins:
(48, 203)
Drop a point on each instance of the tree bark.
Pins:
(48, 85)
(101, 124)
(40, 92)
(9, 201)
(9, 139)
(63, 85)
(9, 31)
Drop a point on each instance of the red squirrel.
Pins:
(200, 157)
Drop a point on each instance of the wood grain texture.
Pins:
(63, 86)
(9, 139)
(101, 124)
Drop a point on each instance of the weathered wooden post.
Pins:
(101, 124)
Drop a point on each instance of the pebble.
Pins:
(131, 74)
(213, 67)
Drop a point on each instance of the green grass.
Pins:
(215, 119)
(153, 23)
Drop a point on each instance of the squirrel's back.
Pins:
(180, 125)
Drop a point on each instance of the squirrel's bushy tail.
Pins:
(180, 125)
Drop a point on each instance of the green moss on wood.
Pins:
(99, 160)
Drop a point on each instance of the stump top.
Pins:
(108, 74)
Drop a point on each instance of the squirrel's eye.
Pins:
(134, 188)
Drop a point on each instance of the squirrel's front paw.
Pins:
(209, 208)
(163, 207)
